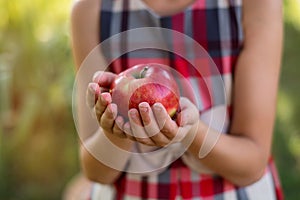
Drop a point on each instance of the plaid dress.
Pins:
(216, 26)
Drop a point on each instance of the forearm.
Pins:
(236, 158)
(96, 171)
(241, 155)
(104, 156)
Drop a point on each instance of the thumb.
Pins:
(189, 113)
(92, 94)
(104, 79)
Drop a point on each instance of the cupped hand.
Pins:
(154, 127)
(100, 104)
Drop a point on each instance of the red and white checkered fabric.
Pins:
(216, 26)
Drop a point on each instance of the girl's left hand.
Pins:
(154, 127)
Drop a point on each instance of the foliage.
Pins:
(39, 143)
(287, 131)
(38, 153)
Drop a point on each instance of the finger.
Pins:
(104, 79)
(151, 126)
(118, 127)
(103, 100)
(137, 128)
(131, 138)
(160, 140)
(166, 125)
(136, 125)
(189, 113)
(108, 117)
(128, 132)
(92, 94)
(148, 119)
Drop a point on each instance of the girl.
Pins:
(244, 39)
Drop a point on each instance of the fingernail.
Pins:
(95, 76)
(119, 120)
(92, 87)
(133, 113)
(143, 107)
(157, 107)
(127, 128)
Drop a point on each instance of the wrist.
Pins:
(195, 137)
(109, 150)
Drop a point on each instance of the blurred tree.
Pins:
(287, 130)
(38, 141)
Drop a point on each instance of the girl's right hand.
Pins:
(100, 104)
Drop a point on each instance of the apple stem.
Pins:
(143, 72)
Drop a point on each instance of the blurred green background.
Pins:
(38, 141)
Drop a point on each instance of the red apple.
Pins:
(145, 83)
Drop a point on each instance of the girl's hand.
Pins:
(100, 104)
(154, 127)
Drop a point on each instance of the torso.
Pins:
(216, 26)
